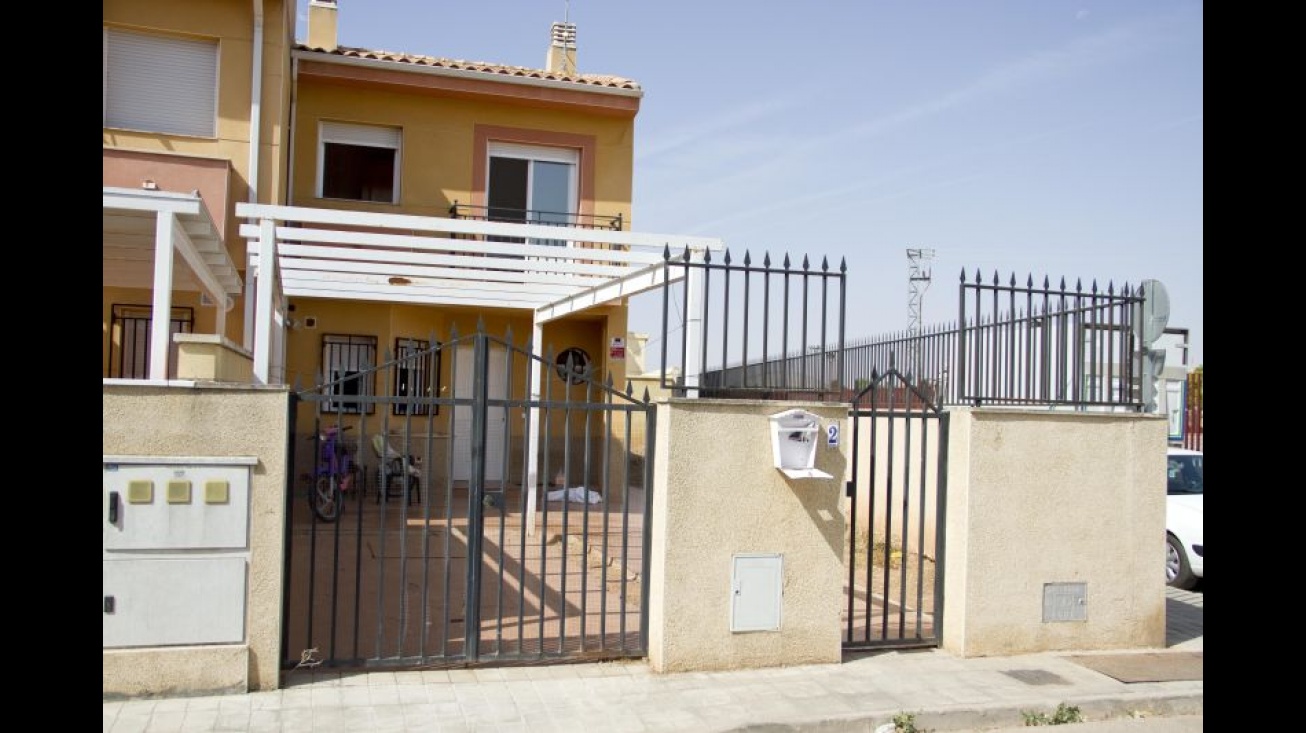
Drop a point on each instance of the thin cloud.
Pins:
(1081, 14)
(1040, 68)
(713, 128)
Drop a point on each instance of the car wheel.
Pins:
(1177, 572)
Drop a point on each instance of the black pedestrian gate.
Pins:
(894, 547)
(481, 521)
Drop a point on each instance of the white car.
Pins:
(1183, 518)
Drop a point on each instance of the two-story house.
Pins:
(329, 226)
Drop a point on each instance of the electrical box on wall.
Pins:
(176, 549)
(756, 592)
(794, 436)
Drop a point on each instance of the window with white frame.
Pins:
(347, 367)
(528, 183)
(156, 83)
(358, 162)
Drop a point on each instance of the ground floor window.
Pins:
(417, 374)
(348, 370)
(129, 339)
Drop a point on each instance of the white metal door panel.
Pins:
(171, 507)
(174, 601)
(496, 416)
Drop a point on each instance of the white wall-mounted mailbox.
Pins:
(794, 435)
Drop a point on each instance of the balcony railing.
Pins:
(536, 216)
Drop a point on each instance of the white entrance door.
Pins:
(496, 417)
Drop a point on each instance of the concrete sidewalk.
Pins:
(941, 692)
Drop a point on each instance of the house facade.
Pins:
(196, 100)
(308, 215)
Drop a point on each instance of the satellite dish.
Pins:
(1156, 311)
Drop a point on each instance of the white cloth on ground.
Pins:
(577, 494)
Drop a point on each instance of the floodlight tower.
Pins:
(918, 281)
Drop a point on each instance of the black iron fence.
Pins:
(736, 314)
(481, 523)
(1011, 345)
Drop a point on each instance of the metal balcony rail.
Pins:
(536, 216)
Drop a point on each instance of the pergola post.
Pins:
(161, 322)
(266, 283)
(532, 423)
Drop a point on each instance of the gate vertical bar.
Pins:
(292, 409)
(476, 490)
(650, 442)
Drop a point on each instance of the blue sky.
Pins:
(1026, 137)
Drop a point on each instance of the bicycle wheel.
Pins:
(326, 499)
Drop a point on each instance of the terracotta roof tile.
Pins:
(598, 80)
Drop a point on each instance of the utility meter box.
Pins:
(794, 436)
(176, 549)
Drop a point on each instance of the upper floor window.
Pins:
(358, 162)
(160, 84)
(532, 184)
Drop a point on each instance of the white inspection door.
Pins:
(495, 417)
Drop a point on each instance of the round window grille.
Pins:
(573, 365)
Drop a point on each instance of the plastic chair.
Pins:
(396, 474)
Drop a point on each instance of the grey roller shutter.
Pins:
(371, 136)
(160, 84)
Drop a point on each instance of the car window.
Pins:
(1184, 474)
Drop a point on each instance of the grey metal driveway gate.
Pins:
(440, 555)
(894, 586)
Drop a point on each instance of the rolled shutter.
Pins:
(161, 84)
(372, 136)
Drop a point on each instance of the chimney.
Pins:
(562, 49)
(322, 24)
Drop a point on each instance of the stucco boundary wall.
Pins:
(1054, 532)
(217, 421)
(717, 493)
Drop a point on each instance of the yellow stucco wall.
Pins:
(304, 354)
(437, 144)
(231, 24)
(210, 421)
(1042, 497)
(717, 493)
(205, 317)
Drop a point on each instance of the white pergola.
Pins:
(144, 232)
(550, 271)
(400, 258)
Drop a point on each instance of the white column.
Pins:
(251, 287)
(532, 420)
(220, 314)
(267, 280)
(161, 317)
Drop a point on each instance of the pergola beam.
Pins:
(623, 287)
